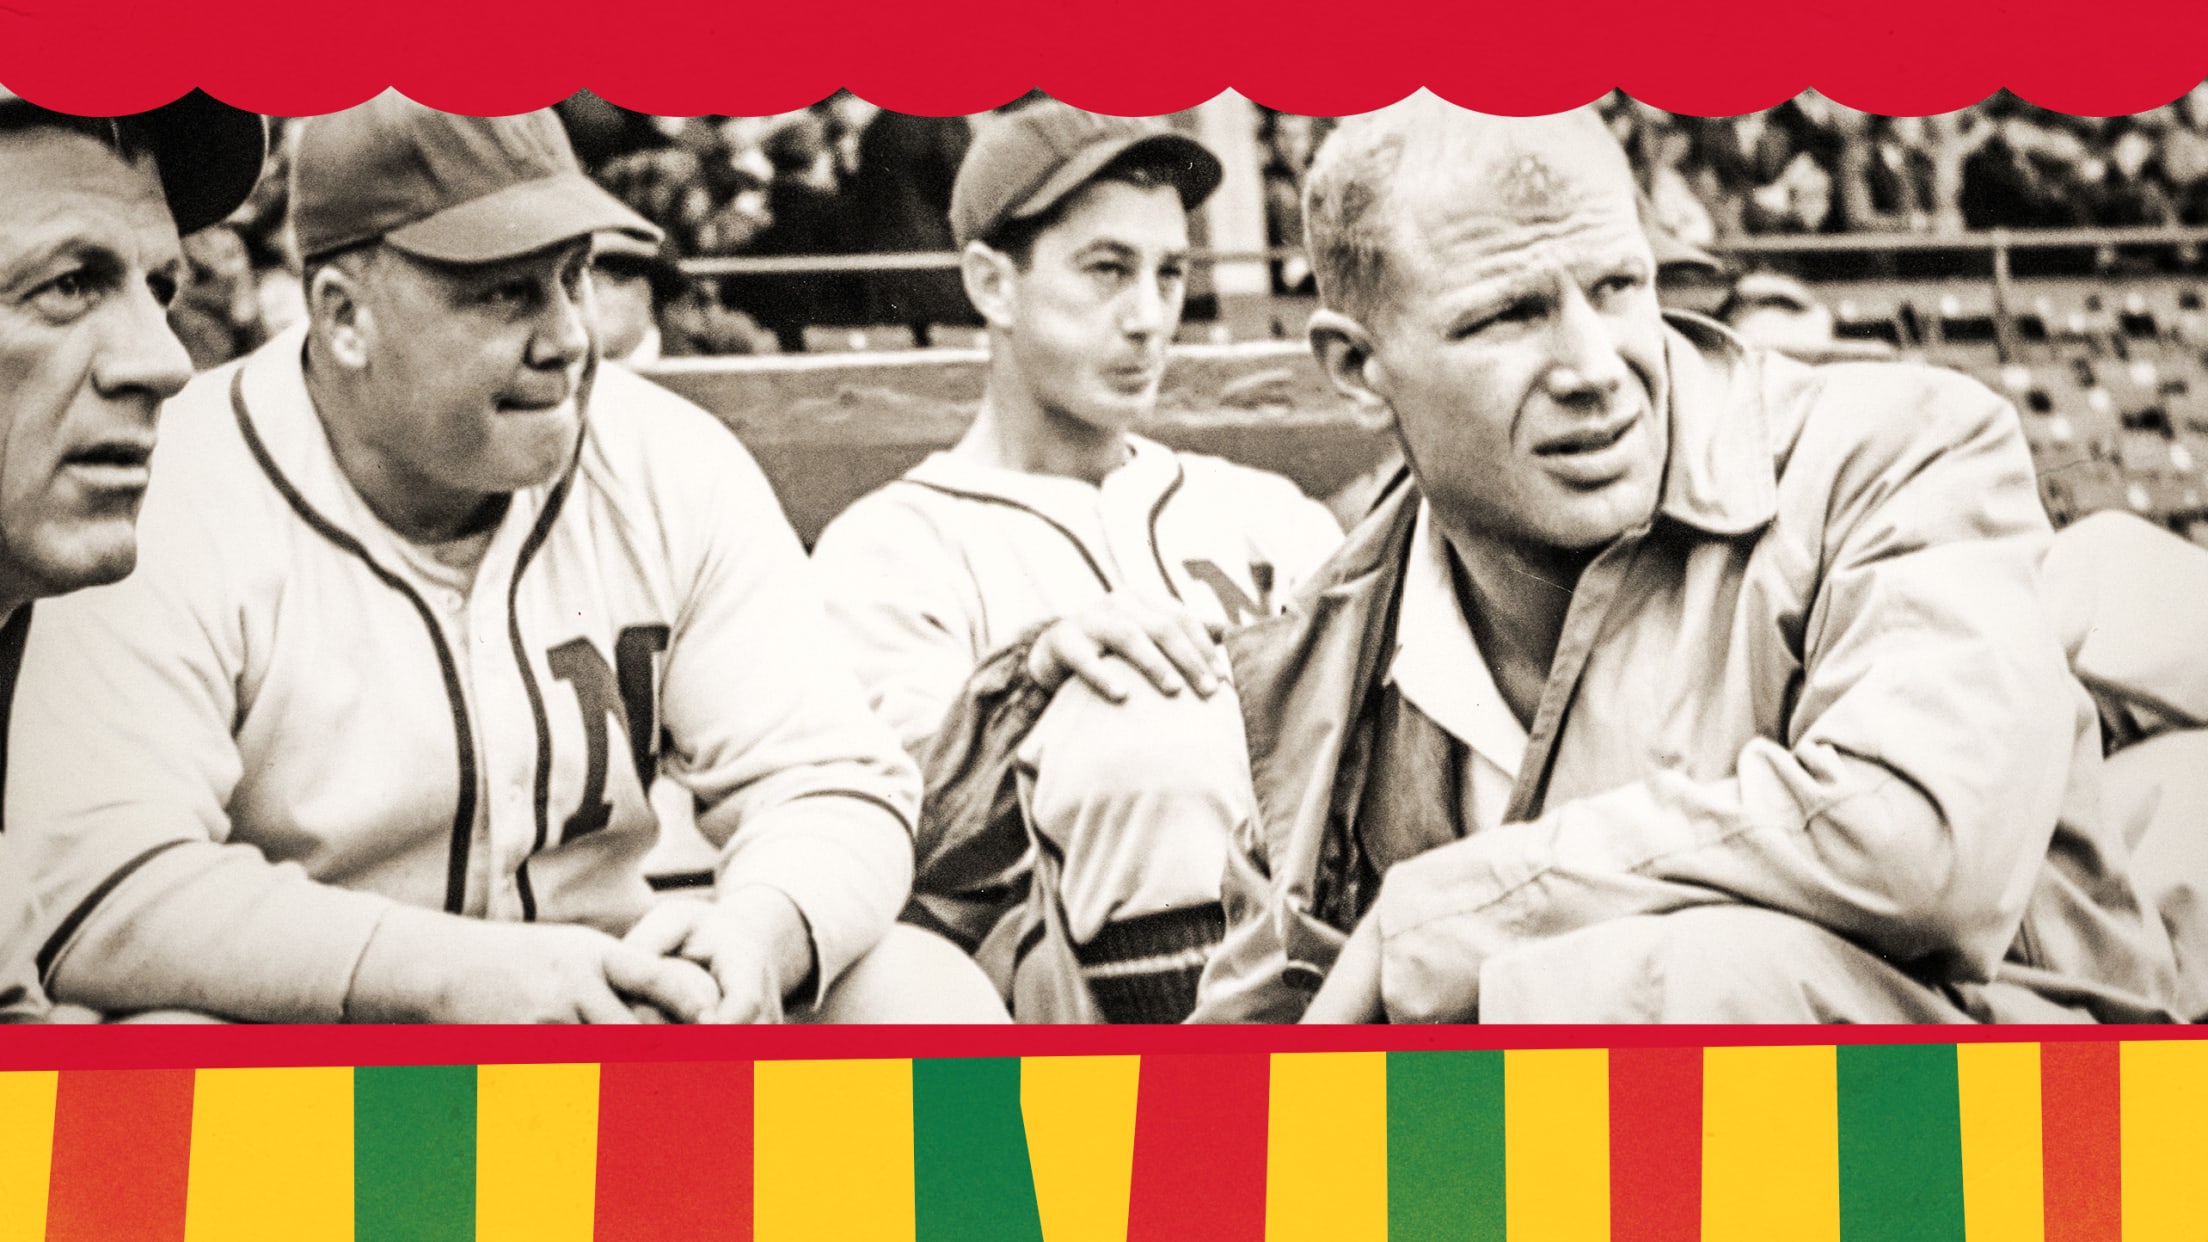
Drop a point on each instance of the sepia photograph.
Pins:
(1046, 566)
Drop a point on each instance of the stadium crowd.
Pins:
(844, 177)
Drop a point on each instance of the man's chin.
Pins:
(89, 564)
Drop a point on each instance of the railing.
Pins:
(2000, 245)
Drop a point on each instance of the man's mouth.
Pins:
(113, 464)
(530, 405)
(1133, 378)
(1586, 439)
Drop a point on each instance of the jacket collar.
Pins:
(1721, 477)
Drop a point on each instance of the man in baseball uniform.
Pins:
(91, 210)
(430, 597)
(1053, 542)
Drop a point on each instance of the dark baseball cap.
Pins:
(209, 154)
(1025, 162)
(445, 187)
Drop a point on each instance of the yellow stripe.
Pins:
(2004, 1194)
(832, 1151)
(272, 1155)
(26, 1148)
(1326, 1155)
(536, 1152)
(1080, 1116)
(1556, 1131)
(2165, 1138)
(1770, 1145)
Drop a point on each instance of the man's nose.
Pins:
(563, 334)
(1146, 310)
(139, 352)
(1587, 366)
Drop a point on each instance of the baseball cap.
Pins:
(445, 187)
(1024, 163)
(209, 154)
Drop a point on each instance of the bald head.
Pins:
(1381, 176)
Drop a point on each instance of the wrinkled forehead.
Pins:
(1532, 173)
(1511, 182)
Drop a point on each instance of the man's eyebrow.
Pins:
(1112, 244)
(30, 263)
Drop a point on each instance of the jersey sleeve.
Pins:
(121, 773)
(893, 600)
(803, 790)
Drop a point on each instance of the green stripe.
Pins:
(1901, 1144)
(971, 1181)
(414, 1153)
(1445, 1147)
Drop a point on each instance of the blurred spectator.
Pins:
(1662, 149)
(632, 283)
(807, 216)
(1290, 141)
(1777, 312)
(217, 314)
(900, 197)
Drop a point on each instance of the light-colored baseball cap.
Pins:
(445, 187)
(209, 154)
(1025, 162)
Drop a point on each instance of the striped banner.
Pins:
(1857, 1143)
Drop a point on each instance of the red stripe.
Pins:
(1199, 1169)
(122, 1156)
(2081, 1141)
(1655, 1144)
(155, 1047)
(674, 1151)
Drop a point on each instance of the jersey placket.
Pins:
(506, 737)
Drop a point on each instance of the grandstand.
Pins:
(2109, 374)
(2083, 301)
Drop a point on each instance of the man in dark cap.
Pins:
(91, 209)
(1054, 546)
(437, 597)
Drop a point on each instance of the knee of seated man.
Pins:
(1721, 963)
(910, 976)
(1173, 756)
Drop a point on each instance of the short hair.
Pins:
(1345, 230)
(1146, 167)
(1346, 226)
(122, 134)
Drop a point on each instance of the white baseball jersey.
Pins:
(931, 573)
(231, 763)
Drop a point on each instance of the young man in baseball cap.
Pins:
(1053, 544)
(91, 209)
(434, 599)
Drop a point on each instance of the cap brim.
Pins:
(209, 155)
(520, 219)
(1194, 169)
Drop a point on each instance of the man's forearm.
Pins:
(214, 929)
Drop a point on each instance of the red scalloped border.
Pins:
(684, 57)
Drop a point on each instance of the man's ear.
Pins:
(338, 311)
(1345, 352)
(989, 275)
